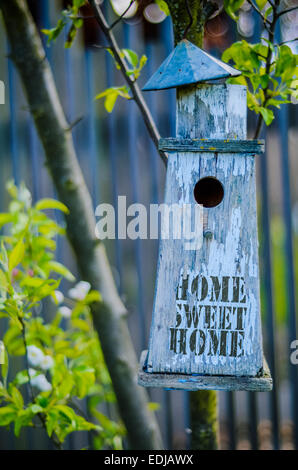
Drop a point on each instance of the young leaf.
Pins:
(131, 57)
(60, 269)
(232, 6)
(48, 203)
(5, 218)
(261, 3)
(163, 6)
(4, 362)
(54, 32)
(268, 115)
(17, 398)
(7, 415)
(16, 255)
(111, 95)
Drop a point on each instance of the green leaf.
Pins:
(131, 57)
(252, 101)
(42, 401)
(21, 378)
(7, 415)
(264, 81)
(268, 12)
(80, 324)
(66, 411)
(163, 6)
(39, 288)
(152, 406)
(24, 418)
(51, 421)
(274, 102)
(72, 33)
(232, 6)
(48, 203)
(268, 115)
(17, 398)
(111, 95)
(36, 409)
(3, 257)
(4, 362)
(92, 296)
(53, 33)
(261, 3)
(60, 269)
(5, 218)
(16, 255)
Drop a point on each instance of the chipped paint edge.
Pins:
(261, 383)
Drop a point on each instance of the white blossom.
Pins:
(35, 355)
(120, 7)
(32, 372)
(80, 290)
(59, 296)
(47, 362)
(83, 286)
(65, 312)
(41, 382)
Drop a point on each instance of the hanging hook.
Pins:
(190, 19)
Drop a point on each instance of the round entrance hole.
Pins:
(209, 192)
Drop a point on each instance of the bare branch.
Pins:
(121, 16)
(216, 13)
(190, 19)
(286, 42)
(285, 12)
(266, 22)
(135, 90)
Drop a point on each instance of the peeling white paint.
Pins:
(233, 250)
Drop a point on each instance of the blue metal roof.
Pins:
(188, 64)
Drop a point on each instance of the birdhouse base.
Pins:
(191, 383)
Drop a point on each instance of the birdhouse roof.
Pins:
(188, 64)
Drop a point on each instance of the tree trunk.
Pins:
(55, 135)
(203, 404)
(182, 20)
(189, 17)
(203, 420)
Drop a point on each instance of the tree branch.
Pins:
(190, 19)
(135, 90)
(286, 42)
(266, 22)
(109, 315)
(121, 16)
(271, 32)
(285, 12)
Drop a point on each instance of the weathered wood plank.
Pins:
(241, 147)
(206, 316)
(260, 383)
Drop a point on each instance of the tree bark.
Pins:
(55, 135)
(203, 404)
(189, 17)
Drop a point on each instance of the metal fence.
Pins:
(118, 158)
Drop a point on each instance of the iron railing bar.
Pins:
(129, 41)
(265, 251)
(232, 420)
(289, 253)
(112, 153)
(92, 151)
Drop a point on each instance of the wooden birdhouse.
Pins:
(206, 325)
